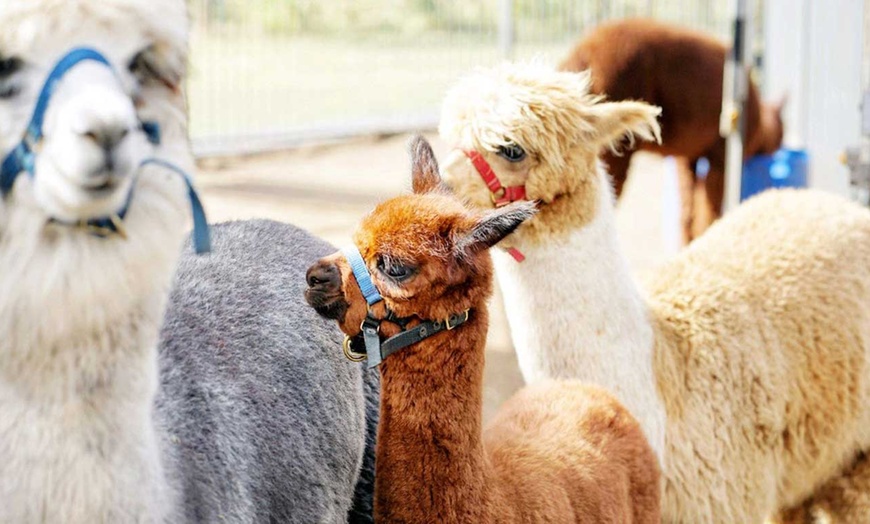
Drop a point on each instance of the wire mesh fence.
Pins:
(271, 72)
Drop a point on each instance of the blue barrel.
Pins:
(785, 168)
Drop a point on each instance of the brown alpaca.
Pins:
(680, 71)
(557, 452)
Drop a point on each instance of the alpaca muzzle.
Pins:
(23, 157)
(324, 290)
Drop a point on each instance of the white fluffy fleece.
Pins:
(80, 315)
(596, 285)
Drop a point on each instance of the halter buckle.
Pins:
(34, 145)
(118, 228)
(373, 322)
(498, 197)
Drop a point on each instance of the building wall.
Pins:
(814, 50)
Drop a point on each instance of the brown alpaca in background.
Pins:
(558, 452)
(681, 71)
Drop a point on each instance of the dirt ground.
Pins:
(326, 189)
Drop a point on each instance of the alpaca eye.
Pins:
(512, 153)
(8, 68)
(395, 270)
(146, 66)
(141, 67)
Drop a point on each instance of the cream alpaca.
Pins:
(746, 362)
(86, 434)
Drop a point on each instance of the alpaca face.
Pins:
(50, 266)
(425, 254)
(557, 125)
(93, 143)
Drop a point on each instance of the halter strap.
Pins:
(363, 279)
(501, 195)
(401, 340)
(69, 61)
(373, 349)
(201, 232)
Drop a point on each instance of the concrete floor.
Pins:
(326, 189)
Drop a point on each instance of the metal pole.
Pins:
(506, 35)
(732, 121)
(857, 158)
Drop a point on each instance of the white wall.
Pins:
(813, 50)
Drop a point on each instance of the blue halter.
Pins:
(23, 157)
(376, 350)
(361, 272)
(201, 232)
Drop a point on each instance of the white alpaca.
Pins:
(747, 364)
(80, 438)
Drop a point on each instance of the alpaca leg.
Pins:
(709, 192)
(617, 167)
(845, 499)
(686, 177)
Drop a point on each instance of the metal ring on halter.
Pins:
(349, 353)
(498, 195)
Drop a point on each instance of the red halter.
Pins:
(500, 195)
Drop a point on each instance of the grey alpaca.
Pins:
(266, 420)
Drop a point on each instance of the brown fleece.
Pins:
(679, 70)
(559, 452)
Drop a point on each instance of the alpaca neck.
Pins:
(575, 312)
(78, 369)
(430, 458)
(82, 439)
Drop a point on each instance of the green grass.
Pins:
(265, 84)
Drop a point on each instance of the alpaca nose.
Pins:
(107, 136)
(323, 276)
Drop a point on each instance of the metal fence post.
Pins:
(732, 123)
(506, 36)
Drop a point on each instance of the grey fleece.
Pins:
(266, 419)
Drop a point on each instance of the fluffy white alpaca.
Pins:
(85, 434)
(76, 439)
(747, 364)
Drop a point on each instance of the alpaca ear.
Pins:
(615, 121)
(424, 167)
(494, 226)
